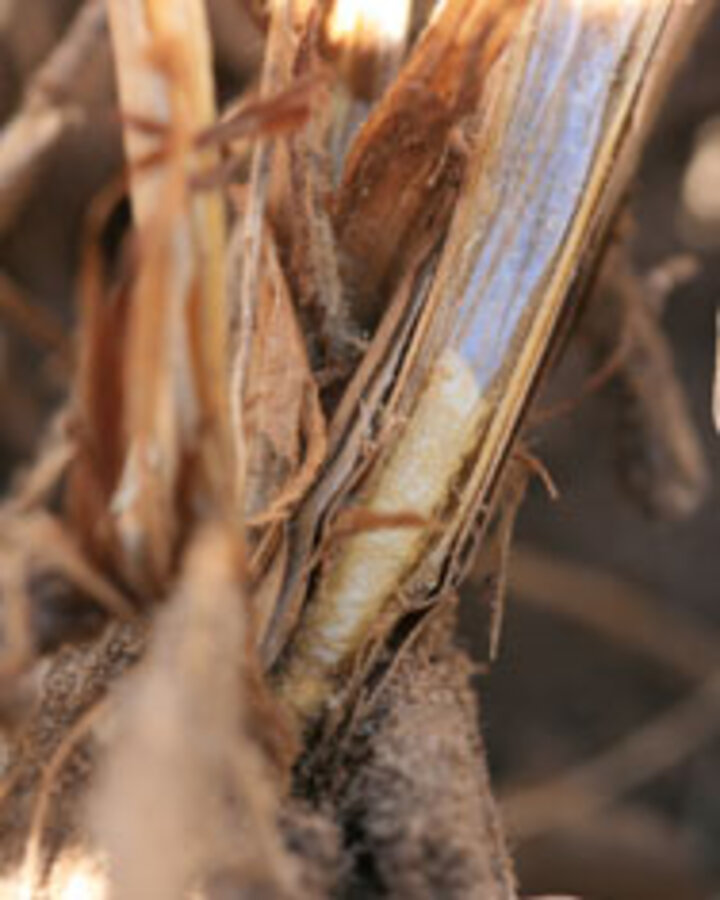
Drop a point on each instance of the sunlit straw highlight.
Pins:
(370, 22)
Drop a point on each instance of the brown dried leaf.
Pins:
(99, 398)
(285, 431)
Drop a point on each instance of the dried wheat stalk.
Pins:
(177, 334)
(537, 176)
(48, 111)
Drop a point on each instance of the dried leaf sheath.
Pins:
(403, 170)
(540, 176)
(176, 355)
(282, 415)
(243, 310)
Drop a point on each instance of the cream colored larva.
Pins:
(371, 565)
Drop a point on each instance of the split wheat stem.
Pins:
(416, 479)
